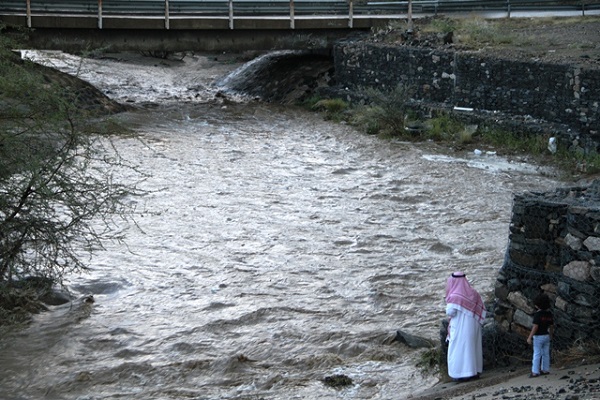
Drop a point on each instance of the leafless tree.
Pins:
(58, 197)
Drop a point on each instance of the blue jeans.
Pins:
(541, 352)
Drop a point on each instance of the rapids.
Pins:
(271, 249)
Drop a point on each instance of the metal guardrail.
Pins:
(231, 9)
(509, 6)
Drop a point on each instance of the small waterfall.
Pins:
(251, 68)
(281, 76)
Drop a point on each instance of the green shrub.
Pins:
(330, 106)
(443, 127)
(309, 102)
(386, 113)
(333, 108)
(517, 142)
(430, 360)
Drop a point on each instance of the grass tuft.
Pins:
(386, 113)
(580, 353)
(430, 360)
(333, 109)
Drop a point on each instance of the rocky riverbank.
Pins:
(566, 383)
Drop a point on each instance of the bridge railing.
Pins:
(169, 10)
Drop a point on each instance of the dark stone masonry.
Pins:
(554, 93)
(554, 247)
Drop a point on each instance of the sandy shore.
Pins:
(568, 383)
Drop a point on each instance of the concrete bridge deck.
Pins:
(228, 25)
(205, 25)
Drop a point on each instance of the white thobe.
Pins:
(465, 352)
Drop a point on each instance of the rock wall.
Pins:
(554, 247)
(565, 94)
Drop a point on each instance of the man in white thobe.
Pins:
(466, 312)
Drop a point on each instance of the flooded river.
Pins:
(272, 249)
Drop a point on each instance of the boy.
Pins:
(541, 334)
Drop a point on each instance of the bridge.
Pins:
(223, 25)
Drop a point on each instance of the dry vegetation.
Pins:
(579, 353)
(555, 40)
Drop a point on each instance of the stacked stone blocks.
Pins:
(554, 248)
(556, 93)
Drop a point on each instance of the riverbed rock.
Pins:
(337, 381)
(56, 297)
(415, 342)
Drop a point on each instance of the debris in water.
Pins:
(337, 381)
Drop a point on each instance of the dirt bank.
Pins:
(564, 40)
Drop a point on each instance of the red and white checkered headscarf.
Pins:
(460, 292)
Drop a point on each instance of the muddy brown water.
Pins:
(273, 249)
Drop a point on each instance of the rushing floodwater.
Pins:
(272, 249)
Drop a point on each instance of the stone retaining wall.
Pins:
(564, 94)
(554, 247)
